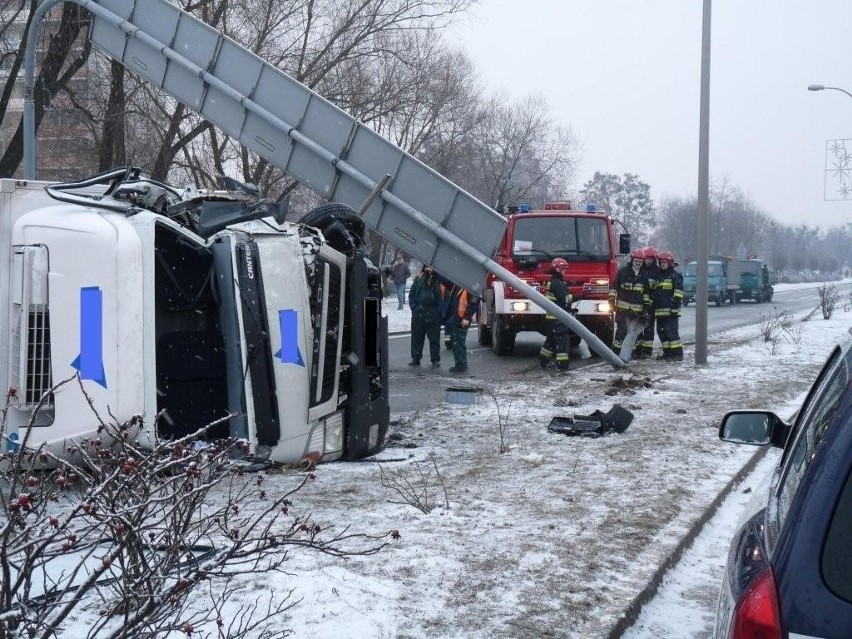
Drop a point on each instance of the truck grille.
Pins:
(333, 328)
(595, 289)
(33, 375)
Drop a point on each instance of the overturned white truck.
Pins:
(191, 306)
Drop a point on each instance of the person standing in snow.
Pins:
(645, 343)
(424, 299)
(629, 296)
(462, 306)
(555, 347)
(667, 299)
(399, 275)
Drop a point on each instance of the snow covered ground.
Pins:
(556, 536)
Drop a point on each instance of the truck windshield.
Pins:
(714, 269)
(563, 236)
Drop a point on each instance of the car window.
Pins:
(837, 552)
(814, 418)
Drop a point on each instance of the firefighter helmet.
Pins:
(558, 264)
(650, 253)
(638, 254)
(665, 256)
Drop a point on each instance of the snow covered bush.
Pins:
(143, 543)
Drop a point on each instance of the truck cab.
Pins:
(722, 281)
(755, 281)
(532, 239)
(258, 326)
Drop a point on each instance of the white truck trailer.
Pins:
(191, 306)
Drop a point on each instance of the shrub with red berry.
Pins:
(157, 523)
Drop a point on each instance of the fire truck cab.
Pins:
(533, 238)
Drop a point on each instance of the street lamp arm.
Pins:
(820, 87)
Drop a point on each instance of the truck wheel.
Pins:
(758, 297)
(502, 339)
(343, 229)
(685, 302)
(734, 298)
(720, 300)
(604, 332)
(484, 337)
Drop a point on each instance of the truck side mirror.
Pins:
(624, 243)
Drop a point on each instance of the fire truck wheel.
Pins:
(603, 332)
(502, 339)
(484, 336)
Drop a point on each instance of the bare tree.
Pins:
(627, 199)
(522, 152)
(65, 51)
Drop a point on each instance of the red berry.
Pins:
(32, 482)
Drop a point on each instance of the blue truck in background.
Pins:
(730, 279)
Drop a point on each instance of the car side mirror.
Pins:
(754, 427)
(624, 243)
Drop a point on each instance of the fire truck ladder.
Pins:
(310, 139)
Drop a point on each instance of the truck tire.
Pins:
(502, 339)
(484, 337)
(604, 332)
(720, 299)
(343, 229)
(734, 298)
(685, 302)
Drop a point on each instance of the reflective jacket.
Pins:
(630, 290)
(557, 292)
(668, 294)
(461, 304)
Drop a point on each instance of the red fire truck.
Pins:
(585, 239)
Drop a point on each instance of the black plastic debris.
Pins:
(616, 420)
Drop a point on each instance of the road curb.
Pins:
(631, 612)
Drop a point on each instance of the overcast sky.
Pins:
(625, 76)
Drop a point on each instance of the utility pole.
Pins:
(703, 193)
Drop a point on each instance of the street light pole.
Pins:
(703, 193)
(819, 87)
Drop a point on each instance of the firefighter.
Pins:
(629, 296)
(461, 308)
(555, 346)
(645, 343)
(667, 300)
(424, 299)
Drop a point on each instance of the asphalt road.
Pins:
(422, 388)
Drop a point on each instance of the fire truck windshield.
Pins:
(563, 236)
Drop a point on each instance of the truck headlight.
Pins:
(603, 307)
(333, 433)
(520, 307)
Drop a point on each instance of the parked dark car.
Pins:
(789, 569)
